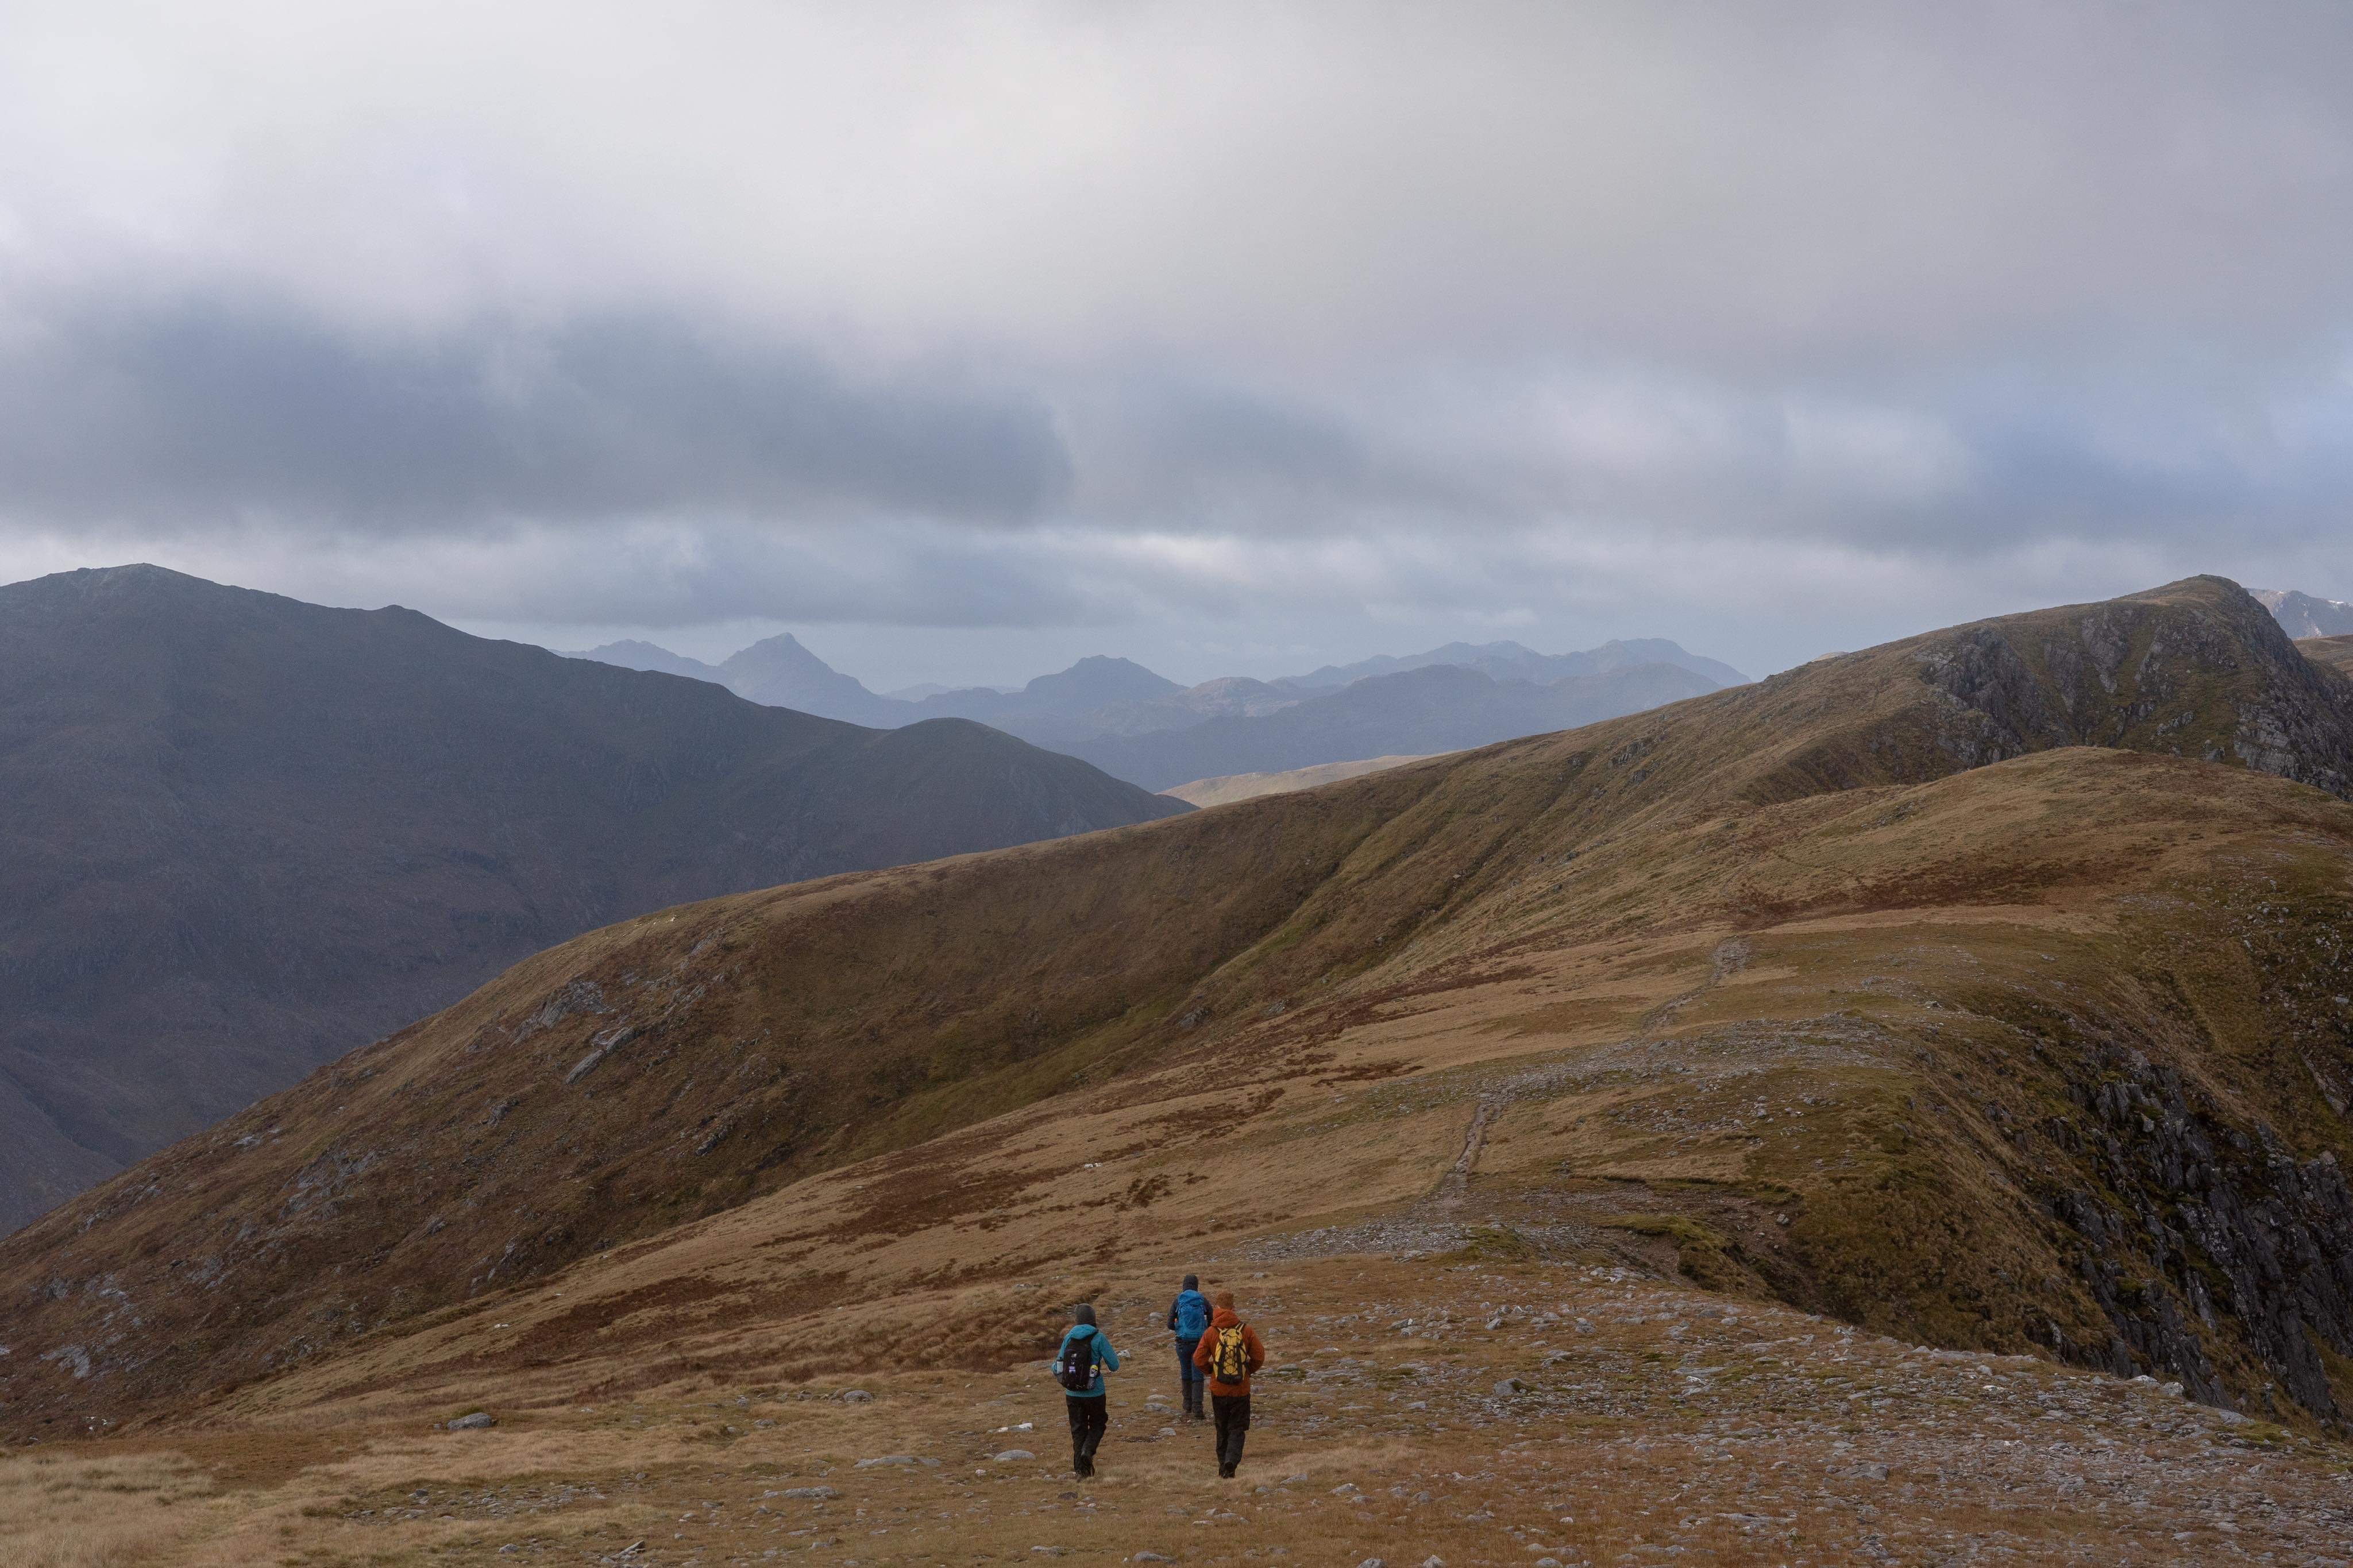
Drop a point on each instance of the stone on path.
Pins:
(473, 1421)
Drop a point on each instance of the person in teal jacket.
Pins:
(1085, 1352)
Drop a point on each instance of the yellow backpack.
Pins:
(1229, 1363)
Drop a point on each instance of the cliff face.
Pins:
(2197, 670)
(2189, 1223)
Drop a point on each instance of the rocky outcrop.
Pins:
(2197, 669)
(2206, 1243)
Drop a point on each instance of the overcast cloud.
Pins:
(963, 341)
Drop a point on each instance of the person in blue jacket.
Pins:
(1189, 1319)
(1078, 1366)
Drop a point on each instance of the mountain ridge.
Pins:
(1510, 661)
(2305, 615)
(248, 834)
(1100, 702)
(1434, 709)
(1231, 787)
(2014, 997)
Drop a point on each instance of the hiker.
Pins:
(1229, 1353)
(1189, 1318)
(1078, 1367)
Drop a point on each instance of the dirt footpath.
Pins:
(1522, 1414)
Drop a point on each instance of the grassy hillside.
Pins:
(1231, 787)
(245, 834)
(2337, 653)
(1986, 989)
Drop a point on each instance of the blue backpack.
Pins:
(1192, 1315)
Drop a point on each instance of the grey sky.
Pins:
(967, 339)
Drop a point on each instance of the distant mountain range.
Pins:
(243, 834)
(2304, 615)
(1438, 708)
(1140, 726)
(776, 673)
(1510, 661)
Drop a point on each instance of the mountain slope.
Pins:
(2337, 653)
(2304, 615)
(1439, 708)
(777, 672)
(245, 834)
(1512, 661)
(1250, 786)
(781, 673)
(1100, 698)
(1889, 986)
(632, 654)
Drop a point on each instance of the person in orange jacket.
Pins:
(1229, 1353)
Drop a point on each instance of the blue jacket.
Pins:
(1105, 1357)
(1188, 1315)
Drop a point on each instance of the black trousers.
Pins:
(1088, 1419)
(1232, 1414)
(1189, 1377)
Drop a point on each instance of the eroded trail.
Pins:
(1727, 959)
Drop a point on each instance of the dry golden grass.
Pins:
(2335, 652)
(1227, 788)
(97, 1509)
(1501, 909)
(1648, 998)
(1650, 1416)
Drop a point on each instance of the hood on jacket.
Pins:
(1225, 1317)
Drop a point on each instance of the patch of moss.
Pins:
(1494, 1243)
(1703, 1255)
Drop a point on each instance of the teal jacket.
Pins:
(1106, 1358)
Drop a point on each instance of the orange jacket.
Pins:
(1204, 1354)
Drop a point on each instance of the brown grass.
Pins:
(96, 1509)
(1762, 992)
(1652, 1416)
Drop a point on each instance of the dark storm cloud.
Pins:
(188, 413)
